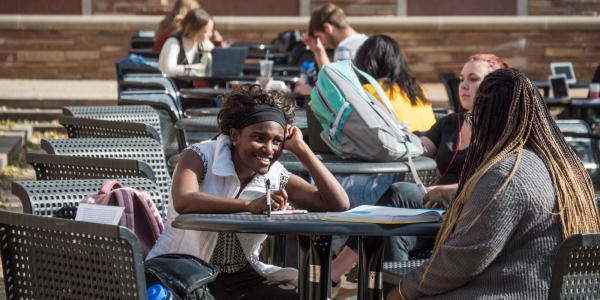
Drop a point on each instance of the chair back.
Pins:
(576, 272)
(45, 197)
(173, 141)
(63, 167)
(50, 258)
(144, 114)
(579, 135)
(91, 128)
(140, 149)
(451, 83)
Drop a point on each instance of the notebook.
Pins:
(386, 215)
(228, 62)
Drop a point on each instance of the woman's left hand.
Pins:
(295, 139)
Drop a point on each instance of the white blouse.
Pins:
(221, 179)
(167, 61)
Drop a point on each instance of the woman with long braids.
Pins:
(522, 191)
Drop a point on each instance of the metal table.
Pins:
(314, 244)
(340, 166)
(545, 86)
(210, 123)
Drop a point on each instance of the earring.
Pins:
(233, 144)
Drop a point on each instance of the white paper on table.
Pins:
(102, 214)
(289, 212)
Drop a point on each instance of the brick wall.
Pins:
(63, 48)
(355, 8)
(564, 7)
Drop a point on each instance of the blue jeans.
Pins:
(397, 248)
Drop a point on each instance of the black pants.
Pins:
(248, 284)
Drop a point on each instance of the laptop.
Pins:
(564, 68)
(228, 62)
(559, 86)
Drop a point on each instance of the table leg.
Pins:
(314, 264)
(370, 265)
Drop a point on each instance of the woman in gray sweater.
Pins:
(521, 192)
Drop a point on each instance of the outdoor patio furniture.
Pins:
(65, 167)
(50, 258)
(45, 197)
(393, 271)
(141, 149)
(576, 272)
(92, 128)
(451, 83)
(173, 141)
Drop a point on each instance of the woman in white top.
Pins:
(187, 52)
(229, 175)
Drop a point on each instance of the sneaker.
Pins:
(335, 288)
(351, 279)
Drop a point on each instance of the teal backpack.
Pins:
(355, 124)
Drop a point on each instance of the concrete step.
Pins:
(9, 149)
(32, 114)
(54, 103)
(48, 126)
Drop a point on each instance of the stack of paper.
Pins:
(386, 215)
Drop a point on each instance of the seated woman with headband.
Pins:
(229, 175)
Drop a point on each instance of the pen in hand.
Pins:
(268, 188)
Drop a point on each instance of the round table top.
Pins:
(309, 224)
(340, 166)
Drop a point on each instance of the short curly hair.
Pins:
(238, 103)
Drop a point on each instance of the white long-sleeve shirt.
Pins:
(168, 64)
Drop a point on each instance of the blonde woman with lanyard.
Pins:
(229, 175)
(188, 52)
(522, 191)
(447, 141)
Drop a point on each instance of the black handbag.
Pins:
(184, 275)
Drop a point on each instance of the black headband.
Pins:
(261, 113)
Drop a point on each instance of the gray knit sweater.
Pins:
(509, 252)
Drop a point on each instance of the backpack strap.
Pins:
(379, 90)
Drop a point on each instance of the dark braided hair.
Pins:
(509, 114)
(238, 102)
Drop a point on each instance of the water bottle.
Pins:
(309, 73)
(158, 292)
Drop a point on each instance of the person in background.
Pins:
(187, 53)
(328, 28)
(523, 190)
(229, 175)
(169, 24)
(447, 141)
(381, 57)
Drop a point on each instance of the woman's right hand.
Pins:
(278, 202)
(439, 196)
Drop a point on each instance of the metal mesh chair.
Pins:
(49, 258)
(393, 271)
(90, 128)
(173, 141)
(141, 149)
(428, 177)
(576, 272)
(62, 167)
(44, 197)
(132, 113)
